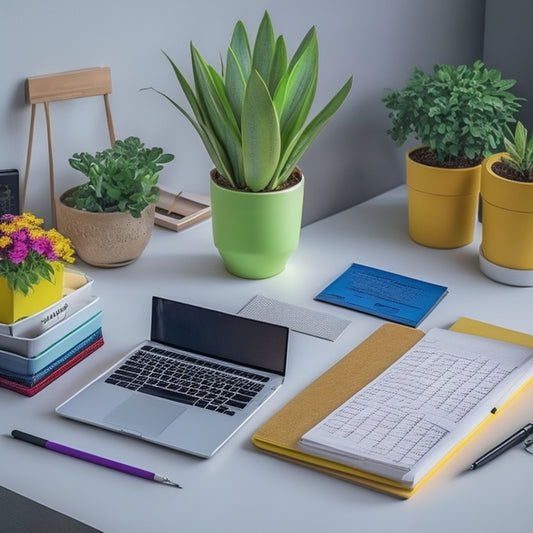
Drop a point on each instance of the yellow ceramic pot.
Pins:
(442, 204)
(507, 228)
(14, 305)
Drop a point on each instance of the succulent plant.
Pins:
(252, 117)
(122, 178)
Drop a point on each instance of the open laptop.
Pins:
(146, 396)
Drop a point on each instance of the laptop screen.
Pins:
(224, 336)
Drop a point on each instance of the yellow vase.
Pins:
(14, 305)
(442, 204)
(507, 228)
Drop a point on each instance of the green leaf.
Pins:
(187, 91)
(300, 90)
(264, 47)
(165, 158)
(303, 46)
(280, 94)
(261, 140)
(235, 84)
(300, 143)
(240, 47)
(201, 125)
(113, 193)
(211, 92)
(278, 66)
(214, 149)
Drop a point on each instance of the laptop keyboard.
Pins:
(186, 379)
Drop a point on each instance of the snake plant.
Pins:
(519, 147)
(252, 116)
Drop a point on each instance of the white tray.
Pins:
(508, 276)
(32, 347)
(12, 362)
(38, 323)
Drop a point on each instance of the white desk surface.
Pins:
(241, 489)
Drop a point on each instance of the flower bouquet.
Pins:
(31, 267)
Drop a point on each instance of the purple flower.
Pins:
(7, 218)
(21, 235)
(18, 253)
(43, 246)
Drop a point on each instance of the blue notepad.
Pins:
(384, 294)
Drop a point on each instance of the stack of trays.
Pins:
(36, 350)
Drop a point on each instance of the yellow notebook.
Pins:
(280, 435)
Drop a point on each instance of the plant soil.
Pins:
(427, 156)
(293, 180)
(507, 172)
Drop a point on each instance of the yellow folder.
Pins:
(280, 434)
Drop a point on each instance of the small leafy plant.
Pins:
(27, 251)
(251, 117)
(520, 152)
(458, 111)
(122, 178)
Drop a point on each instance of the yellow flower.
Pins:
(62, 245)
(26, 250)
(30, 219)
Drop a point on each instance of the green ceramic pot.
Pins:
(255, 233)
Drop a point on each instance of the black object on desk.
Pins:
(508, 443)
(19, 514)
(9, 192)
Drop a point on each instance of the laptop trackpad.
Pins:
(144, 415)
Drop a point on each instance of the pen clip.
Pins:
(527, 444)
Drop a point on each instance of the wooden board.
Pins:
(177, 211)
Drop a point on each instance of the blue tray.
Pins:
(12, 362)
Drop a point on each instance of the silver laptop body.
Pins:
(143, 396)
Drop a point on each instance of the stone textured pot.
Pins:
(105, 239)
(256, 232)
(507, 226)
(442, 204)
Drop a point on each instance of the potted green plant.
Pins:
(252, 122)
(458, 113)
(110, 218)
(506, 252)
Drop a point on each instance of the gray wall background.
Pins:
(508, 43)
(353, 159)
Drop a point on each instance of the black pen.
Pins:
(508, 443)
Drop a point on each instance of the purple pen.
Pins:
(89, 457)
